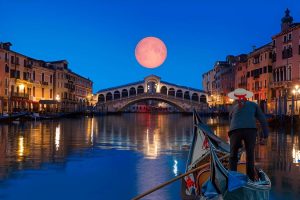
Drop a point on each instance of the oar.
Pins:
(175, 179)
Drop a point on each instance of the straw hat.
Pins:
(240, 93)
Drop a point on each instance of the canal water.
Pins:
(118, 157)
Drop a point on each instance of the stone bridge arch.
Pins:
(179, 106)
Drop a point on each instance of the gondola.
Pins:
(11, 117)
(214, 180)
(37, 116)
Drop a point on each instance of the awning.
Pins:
(48, 102)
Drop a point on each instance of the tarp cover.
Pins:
(209, 190)
(236, 180)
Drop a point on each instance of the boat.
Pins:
(213, 180)
(38, 116)
(12, 117)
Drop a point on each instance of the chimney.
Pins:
(5, 45)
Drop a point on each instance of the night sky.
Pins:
(98, 37)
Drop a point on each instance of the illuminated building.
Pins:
(259, 74)
(36, 85)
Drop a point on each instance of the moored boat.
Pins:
(12, 117)
(38, 116)
(214, 180)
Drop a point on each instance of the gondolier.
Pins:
(243, 116)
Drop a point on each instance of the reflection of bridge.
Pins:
(117, 99)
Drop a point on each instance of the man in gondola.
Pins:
(243, 116)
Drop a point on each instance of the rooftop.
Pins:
(142, 82)
(120, 86)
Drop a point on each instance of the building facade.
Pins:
(286, 64)
(209, 85)
(240, 69)
(29, 84)
(208, 81)
(224, 81)
(272, 72)
(259, 74)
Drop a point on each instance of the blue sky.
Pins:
(98, 37)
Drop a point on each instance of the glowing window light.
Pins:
(22, 87)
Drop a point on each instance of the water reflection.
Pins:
(57, 137)
(20, 147)
(145, 132)
(152, 143)
(156, 150)
(296, 151)
(175, 168)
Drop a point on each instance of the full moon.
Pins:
(151, 52)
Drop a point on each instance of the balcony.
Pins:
(256, 76)
(28, 65)
(19, 95)
(44, 83)
(241, 85)
(257, 89)
(284, 84)
(287, 40)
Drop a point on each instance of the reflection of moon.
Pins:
(151, 52)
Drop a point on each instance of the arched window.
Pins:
(179, 94)
(101, 98)
(140, 89)
(171, 92)
(109, 96)
(117, 95)
(124, 93)
(132, 91)
(163, 90)
(195, 97)
(187, 95)
(203, 99)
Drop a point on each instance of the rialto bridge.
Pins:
(117, 99)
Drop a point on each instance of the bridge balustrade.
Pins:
(156, 95)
